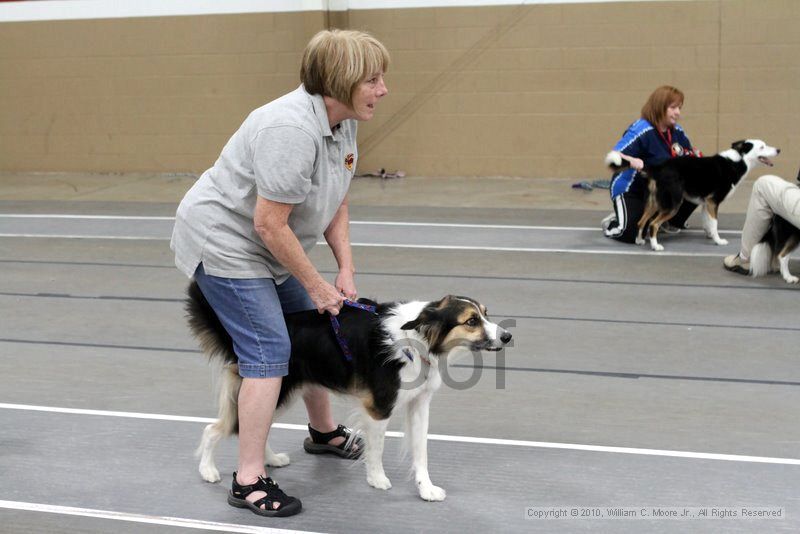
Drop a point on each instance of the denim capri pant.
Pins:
(251, 310)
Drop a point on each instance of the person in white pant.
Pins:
(772, 195)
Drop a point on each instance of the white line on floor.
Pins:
(511, 226)
(366, 223)
(629, 251)
(90, 217)
(75, 236)
(623, 252)
(438, 437)
(141, 518)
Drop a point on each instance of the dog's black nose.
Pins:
(505, 337)
(778, 150)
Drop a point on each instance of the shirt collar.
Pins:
(320, 111)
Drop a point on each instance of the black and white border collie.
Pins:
(706, 180)
(395, 365)
(772, 253)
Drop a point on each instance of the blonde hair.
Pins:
(336, 61)
(655, 109)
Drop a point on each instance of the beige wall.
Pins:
(534, 91)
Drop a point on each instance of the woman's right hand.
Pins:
(326, 298)
(636, 163)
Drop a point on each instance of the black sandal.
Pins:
(318, 443)
(288, 505)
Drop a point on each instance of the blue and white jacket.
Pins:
(641, 140)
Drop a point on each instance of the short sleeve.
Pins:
(283, 163)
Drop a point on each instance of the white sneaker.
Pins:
(607, 220)
(736, 264)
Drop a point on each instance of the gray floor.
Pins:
(614, 347)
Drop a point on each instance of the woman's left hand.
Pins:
(346, 284)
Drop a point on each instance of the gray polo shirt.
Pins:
(285, 152)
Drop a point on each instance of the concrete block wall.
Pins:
(539, 90)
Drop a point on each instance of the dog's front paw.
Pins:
(279, 459)
(379, 481)
(720, 241)
(792, 279)
(640, 241)
(429, 492)
(657, 247)
(209, 473)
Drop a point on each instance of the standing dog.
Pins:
(707, 180)
(395, 364)
(772, 253)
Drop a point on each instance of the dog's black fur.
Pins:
(313, 343)
(707, 180)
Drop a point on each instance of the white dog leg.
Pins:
(374, 434)
(710, 226)
(655, 245)
(639, 238)
(789, 277)
(208, 468)
(714, 234)
(417, 430)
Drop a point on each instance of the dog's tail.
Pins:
(616, 162)
(214, 340)
(761, 259)
(217, 345)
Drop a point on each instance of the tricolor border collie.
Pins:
(706, 180)
(395, 365)
(772, 253)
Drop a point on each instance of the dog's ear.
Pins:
(427, 316)
(412, 325)
(423, 318)
(444, 302)
(742, 147)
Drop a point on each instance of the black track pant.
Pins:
(629, 208)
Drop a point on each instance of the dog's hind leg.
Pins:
(651, 208)
(655, 225)
(788, 276)
(774, 266)
(639, 236)
(710, 224)
(417, 435)
(208, 468)
(227, 423)
(272, 458)
(783, 259)
(276, 459)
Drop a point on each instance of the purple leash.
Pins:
(337, 329)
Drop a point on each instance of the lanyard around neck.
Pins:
(668, 140)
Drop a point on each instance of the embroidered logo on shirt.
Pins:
(677, 149)
(348, 161)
